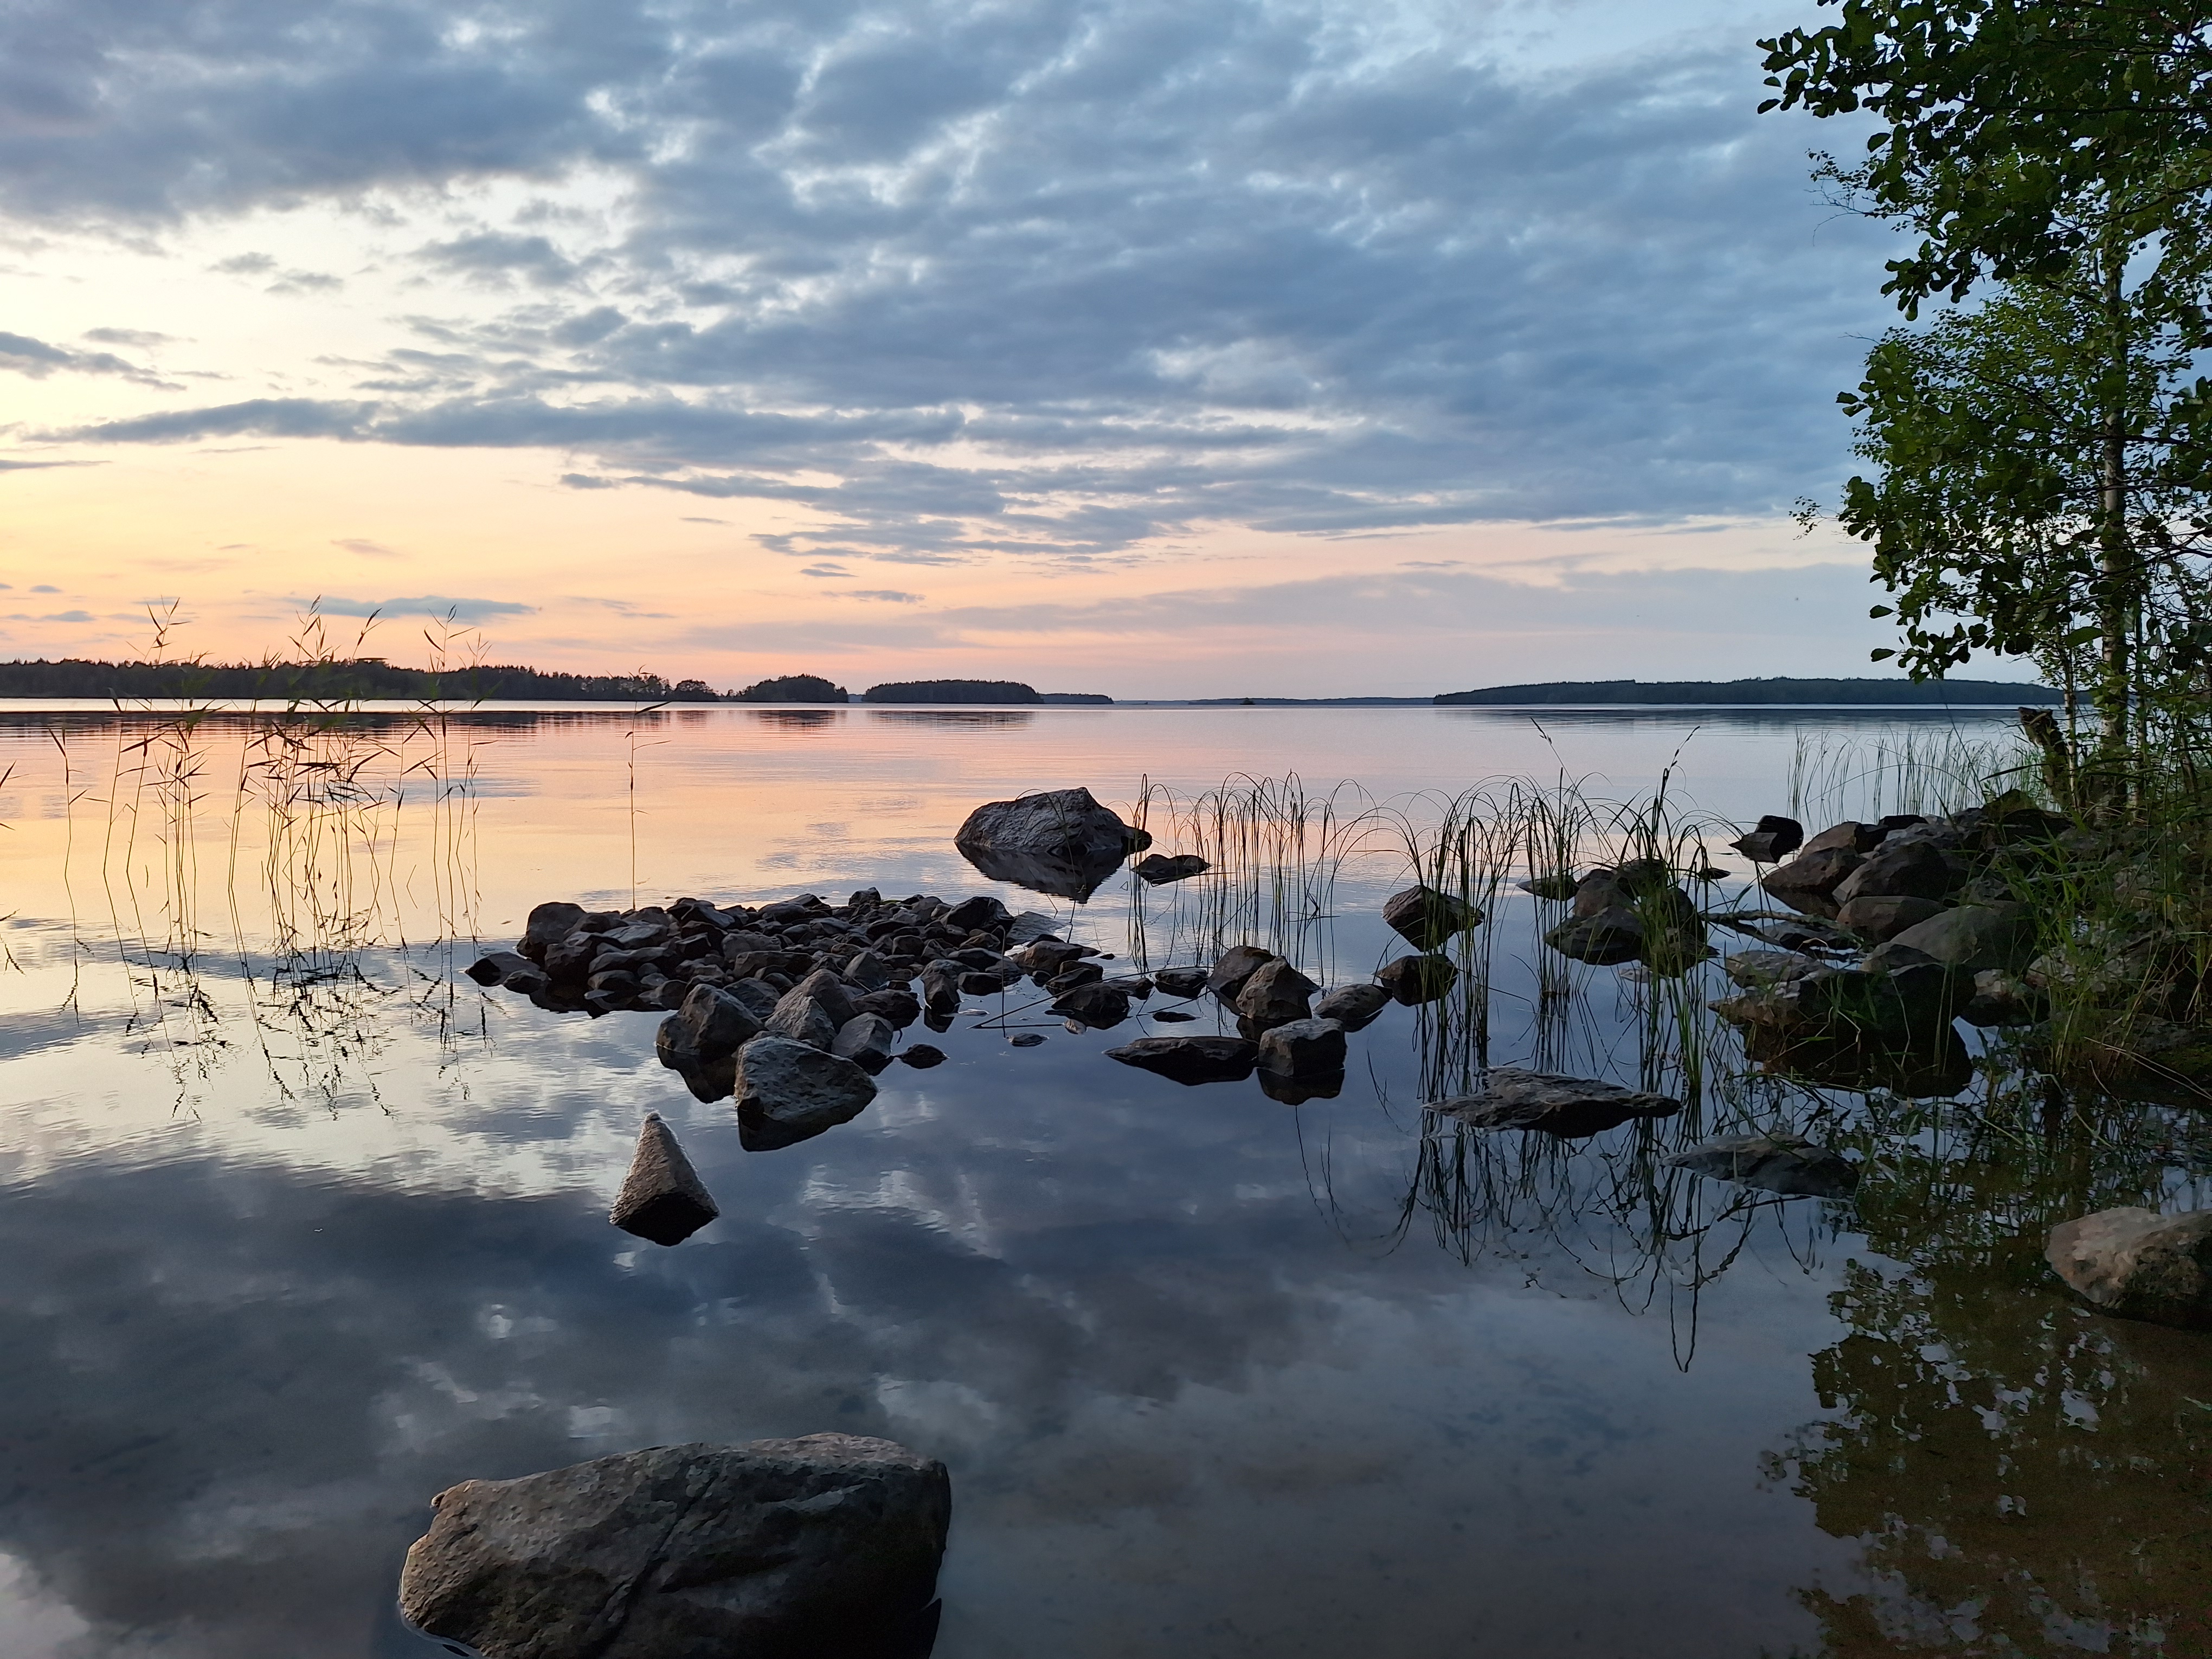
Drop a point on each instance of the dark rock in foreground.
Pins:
(494, 966)
(1158, 871)
(1352, 1006)
(1428, 919)
(1275, 993)
(1772, 1163)
(790, 1091)
(1304, 1048)
(662, 1198)
(1233, 966)
(923, 1055)
(710, 1025)
(1191, 1060)
(825, 1545)
(2138, 1264)
(1180, 981)
(1099, 1005)
(1771, 839)
(1572, 1107)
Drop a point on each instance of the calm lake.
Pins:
(301, 1226)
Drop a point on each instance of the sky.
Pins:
(1161, 349)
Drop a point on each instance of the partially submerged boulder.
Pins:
(2138, 1264)
(1233, 966)
(1180, 981)
(1304, 1048)
(827, 1544)
(1061, 842)
(1808, 882)
(788, 1091)
(1275, 993)
(662, 1198)
(1605, 939)
(1157, 870)
(1570, 1108)
(1772, 1163)
(1352, 1006)
(1771, 839)
(1882, 918)
(1427, 918)
(494, 967)
(1191, 1060)
(711, 1024)
(548, 924)
(865, 1039)
(1099, 1005)
(1415, 980)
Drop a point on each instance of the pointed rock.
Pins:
(662, 1198)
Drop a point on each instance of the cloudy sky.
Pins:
(1260, 346)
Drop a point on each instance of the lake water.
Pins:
(301, 1226)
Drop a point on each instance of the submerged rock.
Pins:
(1352, 1006)
(790, 1091)
(1061, 842)
(828, 1544)
(1101, 1006)
(1427, 918)
(1605, 938)
(2138, 1264)
(1572, 1107)
(923, 1055)
(1415, 980)
(1191, 1060)
(1772, 1163)
(494, 966)
(662, 1198)
(1158, 871)
(1180, 981)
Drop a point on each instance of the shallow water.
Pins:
(298, 1236)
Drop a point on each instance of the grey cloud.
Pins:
(37, 359)
(143, 338)
(427, 604)
(54, 616)
(884, 595)
(1150, 268)
(46, 587)
(367, 549)
(267, 417)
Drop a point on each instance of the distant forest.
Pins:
(1925, 693)
(336, 681)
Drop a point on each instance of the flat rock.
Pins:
(1415, 980)
(1572, 1107)
(1352, 1006)
(825, 1545)
(1191, 1060)
(662, 1198)
(787, 1091)
(1029, 926)
(1772, 1163)
(1156, 871)
(2138, 1264)
(1427, 918)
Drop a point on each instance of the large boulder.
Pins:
(789, 1091)
(1808, 882)
(1772, 1163)
(1771, 840)
(1570, 1108)
(1233, 966)
(548, 924)
(710, 1025)
(828, 1544)
(1899, 868)
(1415, 980)
(1605, 938)
(1352, 1006)
(2138, 1264)
(1304, 1048)
(1882, 918)
(662, 1198)
(1428, 919)
(1191, 1060)
(1061, 842)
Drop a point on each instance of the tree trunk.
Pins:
(2115, 600)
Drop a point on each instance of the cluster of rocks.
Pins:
(1289, 1031)
(1635, 911)
(826, 1544)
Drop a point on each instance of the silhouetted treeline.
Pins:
(336, 681)
(952, 691)
(793, 687)
(1960, 693)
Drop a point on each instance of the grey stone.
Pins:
(832, 993)
(2138, 1264)
(866, 972)
(1352, 1006)
(786, 1091)
(1974, 937)
(759, 996)
(901, 1007)
(803, 1019)
(940, 986)
(1233, 966)
(981, 911)
(1275, 993)
(1415, 980)
(711, 1023)
(1558, 887)
(1180, 981)
(1075, 974)
(1808, 882)
(865, 1039)
(662, 1198)
(1100, 1006)
(828, 1544)
(1427, 918)
(1772, 1163)
(1570, 1108)
(1191, 1060)
(1061, 842)
(1883, 917)
(1158, 871)
(1030, 926)
(1302, 1048)
(1909, 869)
(569, 959)
(547, 925)
(1606, 938)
